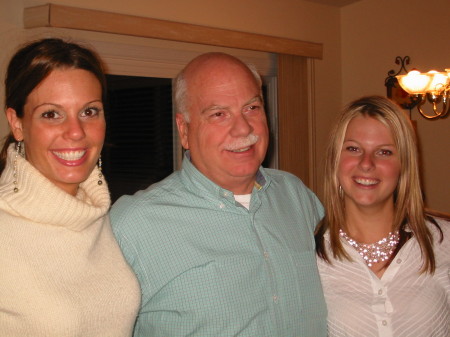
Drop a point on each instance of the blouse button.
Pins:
(380, 292)
(384, 322)
(399, 261)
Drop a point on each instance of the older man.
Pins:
(223, 247)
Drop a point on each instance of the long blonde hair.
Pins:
(409, 207)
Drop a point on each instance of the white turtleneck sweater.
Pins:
(61, 270)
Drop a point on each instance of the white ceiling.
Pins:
(335, 3)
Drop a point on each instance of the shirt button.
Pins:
(266, 255)
(399, 261)
(380, 292)
(225, 194)
(275, 298)
(222, 205)
(384, 322)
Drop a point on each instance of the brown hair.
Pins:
(409, 208)
(32, 63)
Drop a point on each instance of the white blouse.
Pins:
(403, 303)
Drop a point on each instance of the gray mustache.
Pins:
(242, 142)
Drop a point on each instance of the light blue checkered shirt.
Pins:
(209, 267)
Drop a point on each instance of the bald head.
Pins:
(206, 66)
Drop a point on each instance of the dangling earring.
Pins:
(100, 174)
(18, 153)
(341, 192)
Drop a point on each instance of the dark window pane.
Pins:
(138, 147)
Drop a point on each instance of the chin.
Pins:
(75, 178)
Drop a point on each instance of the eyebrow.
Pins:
(355, 141)
(257, 98)
(60, 106)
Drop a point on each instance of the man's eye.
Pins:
(217, 114)
(254, 108)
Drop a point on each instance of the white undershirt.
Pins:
(403, 303)
(243, 199)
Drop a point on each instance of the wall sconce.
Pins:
(394, 91)
(432, 86)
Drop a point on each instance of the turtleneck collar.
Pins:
(39, 200)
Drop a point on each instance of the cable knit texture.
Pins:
(61, 270)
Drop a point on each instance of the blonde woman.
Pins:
(384, 264)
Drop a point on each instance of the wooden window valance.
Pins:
(58, 16)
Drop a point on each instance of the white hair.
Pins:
(180, 90)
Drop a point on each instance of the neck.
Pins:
(369, 225)
(239, 187)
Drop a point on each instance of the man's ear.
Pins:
(15, 124)
(183, 130)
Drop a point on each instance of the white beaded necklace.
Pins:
(374, 252)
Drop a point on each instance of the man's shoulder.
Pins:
(293, 189)
(283, 177)
(143, 201)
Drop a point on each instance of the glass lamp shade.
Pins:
(438, 82)
(414, 82)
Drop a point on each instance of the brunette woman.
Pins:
(62, 272)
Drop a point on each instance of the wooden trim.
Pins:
(438, 214)
(311, 110)
(293, 121)
(59, 16)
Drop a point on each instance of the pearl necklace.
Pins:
(374, 252)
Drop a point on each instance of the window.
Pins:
(138, 148)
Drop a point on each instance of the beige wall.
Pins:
(374, 32)
(285, 18)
